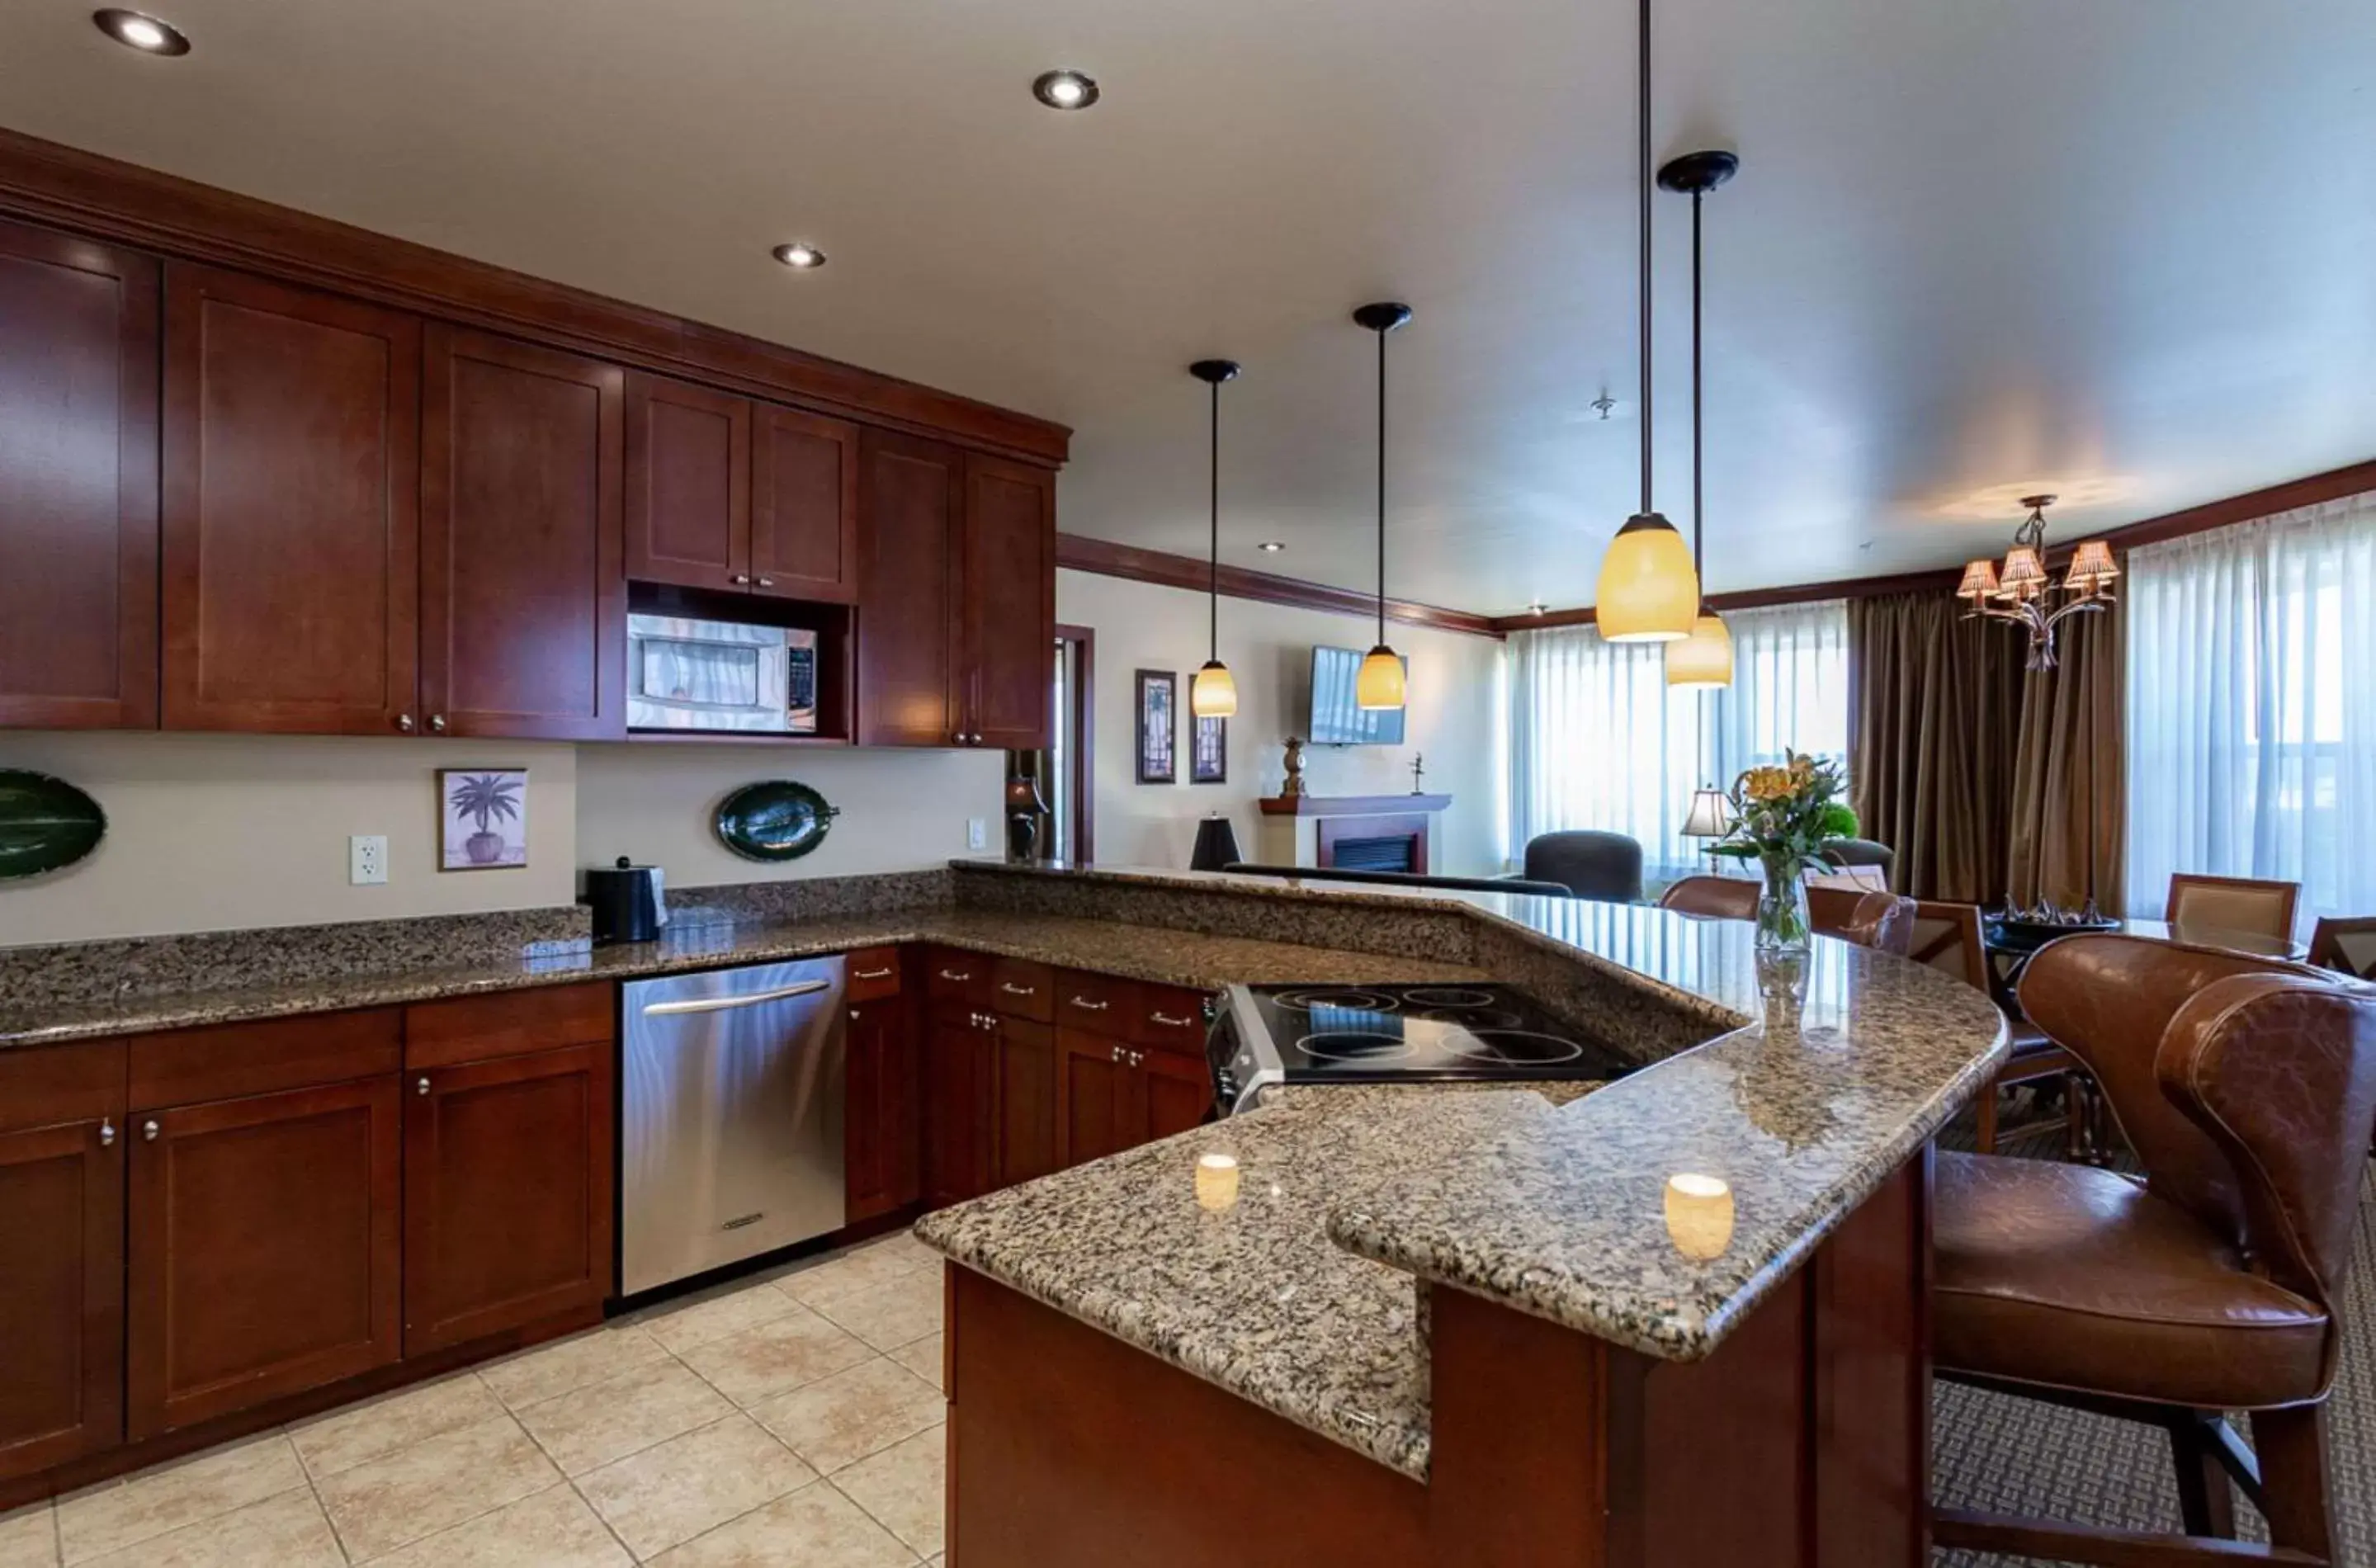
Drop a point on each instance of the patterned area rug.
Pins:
(2015, 1456)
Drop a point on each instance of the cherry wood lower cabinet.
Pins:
(1024, 1053)
(960, 1106)
(1112, 1095)
(61, 1254)
(882, 1122)
(264, 1248)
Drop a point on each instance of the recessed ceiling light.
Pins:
(145, 33)
(799, 256)
(1066, 90)
(1271, 546)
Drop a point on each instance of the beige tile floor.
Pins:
(792, 1419)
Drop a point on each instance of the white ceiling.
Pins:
(2121, 248)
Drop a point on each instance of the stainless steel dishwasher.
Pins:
(730, 1105)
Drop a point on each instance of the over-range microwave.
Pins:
(685, 674)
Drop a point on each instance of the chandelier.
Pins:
(2023, 593)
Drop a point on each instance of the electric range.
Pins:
(1390, 1034)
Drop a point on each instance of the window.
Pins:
(2252, 728)
(1598, 741)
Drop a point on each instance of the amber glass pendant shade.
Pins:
(1213, 694)
(1648, 592)
(1702, 662)
(1379, 685)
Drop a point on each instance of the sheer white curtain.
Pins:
(2252, 698)
(1598, 741)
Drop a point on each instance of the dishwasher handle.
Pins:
(721, 1004)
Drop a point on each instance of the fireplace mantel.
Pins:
(1351, 805)
(1365, 832)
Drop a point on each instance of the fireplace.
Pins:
(1378, 833)
(1393, 851)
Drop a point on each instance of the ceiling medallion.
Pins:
(2022, 593)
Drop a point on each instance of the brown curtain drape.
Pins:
(1977, 772)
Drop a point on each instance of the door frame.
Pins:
(1083, 784)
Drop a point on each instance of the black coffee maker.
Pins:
(627, 902)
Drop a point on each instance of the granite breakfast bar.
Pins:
(1472, 1326)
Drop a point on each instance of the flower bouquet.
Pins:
(1783, 815)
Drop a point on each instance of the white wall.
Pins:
(218, 832)
(1454, 721)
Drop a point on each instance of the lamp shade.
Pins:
(2091, 568)
(1217, 845)
(1979, 581)
(1710, 816)
(1702, 662)
(2025, 573)
(1648, 592)
(1214, 693)
(1379, 685)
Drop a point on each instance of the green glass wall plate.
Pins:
(775, 819)
(45, 823)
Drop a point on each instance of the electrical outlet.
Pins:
(367, 859)
(977, 833)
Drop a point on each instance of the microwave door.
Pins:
(705, 675)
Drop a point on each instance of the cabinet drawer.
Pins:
(519, 1023)
(873, 972)
(44, 1085)
(1169, 1018)
(961, 978)
(1021, 989)
(1100, 1004)
(235, 1059)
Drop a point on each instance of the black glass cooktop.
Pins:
(1381, 1033)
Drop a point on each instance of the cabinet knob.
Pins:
(1117, 1054)
(741, 579)
(148, 1131)
(422, 1087)
(106, 1133)
(404, 722)
(766, 582)
(437, 722)
(1138, 1058)
(853, 1014)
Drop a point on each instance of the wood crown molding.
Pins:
(2311, 490)
(1106, 558)
(168, 215)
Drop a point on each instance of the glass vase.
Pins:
(1783, 925)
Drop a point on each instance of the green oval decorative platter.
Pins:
(775, 819)
(45, 823)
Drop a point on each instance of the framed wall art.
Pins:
(1209, 752)
(1158, 726)
(481, 818)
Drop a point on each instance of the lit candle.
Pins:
(1699, 1215)
(1217, 1180)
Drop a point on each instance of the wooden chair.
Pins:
(2247, 1089)
(2232, 903)
(2349, 945)
(1883, 921)
(1717, 898)
(1947, 936)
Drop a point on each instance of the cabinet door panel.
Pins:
(292, 519)
(507, 1194)
(882, 1116)
(803, 506)
(523, 586)
(1025, 1062)
(1177, 1092)
(61, 1293)
(688, 484)
(1094, 1098)
(77, 483)
(960, 1136)
(264, 1249)
(1010, 599)
(910, 496)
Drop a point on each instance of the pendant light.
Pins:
(1213, 694)
(1380, 685)
(1649, 591)
(1702, 662)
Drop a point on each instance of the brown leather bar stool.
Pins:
(1718, 897)
(1881, 921)
(2247, 1089)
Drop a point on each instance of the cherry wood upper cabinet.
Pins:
(292, 516)
(77, 483)
(688, 484)
(523, 592)
(911, 498)
(264, 1248)
(1010, 601)
(803, 506)
(61, 1254)
(508, 1193)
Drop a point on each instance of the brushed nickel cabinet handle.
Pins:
(741, 579)
(1171, 1023)
(148, 1131)
(404, 722)
(437, 723)
(423, 1089)
(1138, 1058)
(106, 1133)
(873, 974)
(1117, 1054)
(766, 582)
(1086, 1005)
(953, 975)
(1013, 990)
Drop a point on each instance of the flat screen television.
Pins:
(1335, 721)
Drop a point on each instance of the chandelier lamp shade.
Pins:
(1648, 590)
(1380, 685)
(1214, 693)
(2021, 592)
(1702, 662)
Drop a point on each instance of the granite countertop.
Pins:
(1174, 957)
(1252, 1297)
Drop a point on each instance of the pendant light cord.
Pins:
(1698, 526)
(1644, 96)
(1381, 490)
(1213, 600)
